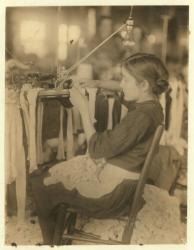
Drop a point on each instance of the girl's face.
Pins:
(131, 88)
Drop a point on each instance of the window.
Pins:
(62, 38)
(67, 34)
(32, 35)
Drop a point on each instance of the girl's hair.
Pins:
(148, 67)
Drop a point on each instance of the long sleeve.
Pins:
(130, 131)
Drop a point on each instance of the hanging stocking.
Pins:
(110, 112)
(61, 149)
(70, 142)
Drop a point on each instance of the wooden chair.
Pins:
(66, 219)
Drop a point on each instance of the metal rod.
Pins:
(73, 67)
(131, 12)
(106, 242)
(86, 234)
(58, 23)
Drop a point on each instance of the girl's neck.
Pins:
(147, 98)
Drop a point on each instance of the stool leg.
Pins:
(60, 225)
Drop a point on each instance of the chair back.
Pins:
(141, 184)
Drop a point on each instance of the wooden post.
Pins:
(165, 19)
(40, 109)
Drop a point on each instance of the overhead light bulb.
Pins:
(127, 33)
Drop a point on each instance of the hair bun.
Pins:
(162, 86)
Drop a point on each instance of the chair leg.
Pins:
(128, 231)
(71, 226)
(60, 225)
(173, 186)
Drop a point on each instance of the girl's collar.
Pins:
(131, 105)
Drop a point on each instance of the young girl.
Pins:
(102, 182)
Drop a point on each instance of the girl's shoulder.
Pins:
(149, 110)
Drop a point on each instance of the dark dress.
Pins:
(125, 146)
(127, 143)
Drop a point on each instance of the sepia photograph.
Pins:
(96, 124)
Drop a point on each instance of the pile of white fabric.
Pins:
(99, 177)
(158, 222)
(71, 172)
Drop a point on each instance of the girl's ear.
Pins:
(145, 85)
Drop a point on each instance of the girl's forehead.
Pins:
(125, 72)
(131, 75)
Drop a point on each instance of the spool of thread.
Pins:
(85, 71)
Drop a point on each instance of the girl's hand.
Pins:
(83, 82)
(78, 99)
(86, 83)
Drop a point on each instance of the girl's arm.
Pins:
(81, 102)
(87, 124)
(108, 84)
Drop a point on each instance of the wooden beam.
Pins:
(53, 93)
